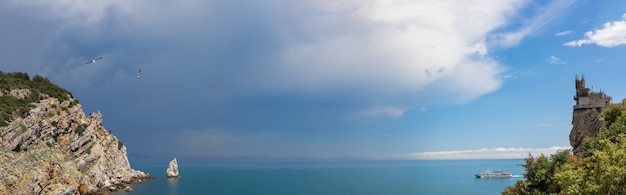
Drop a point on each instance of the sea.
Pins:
(331, 177)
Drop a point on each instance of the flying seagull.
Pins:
(138, 73)
(94, 60)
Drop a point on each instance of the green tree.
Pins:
(600, 169)
(604, 172)
(540, 174)
(615, 117)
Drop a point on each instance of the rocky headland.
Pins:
(52, 147)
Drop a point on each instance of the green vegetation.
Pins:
(23, 127)
(44, 86)
(119, 144)
(11, 107)
(81, 128)
(599, 169)
(540, 174)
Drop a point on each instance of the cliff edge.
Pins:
(587, 118)
(53, 148)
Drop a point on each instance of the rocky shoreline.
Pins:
(55, 149)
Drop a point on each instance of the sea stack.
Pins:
(172, 169)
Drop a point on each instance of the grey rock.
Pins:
(172, 169)
(42, 153)
(20, 93)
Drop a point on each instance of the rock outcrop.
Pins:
(172, 169)
(55, 149)
(587, 117)
(585, 123)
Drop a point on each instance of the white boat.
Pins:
(494, 174)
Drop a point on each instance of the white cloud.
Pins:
(563, 33)
(555, 60)
(610, 35)
(376, 48)
(507, 76)
(432, 47)
(486, 153)
(543, 17)
(380, 111)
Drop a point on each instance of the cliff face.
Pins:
(585, 123)
(55, 149)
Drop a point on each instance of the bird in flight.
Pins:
(93, 61)
(138, 73)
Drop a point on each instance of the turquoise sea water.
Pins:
(389, 177)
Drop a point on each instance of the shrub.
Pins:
(38, 85)
(599, 169)
(10, 105)
(73, 103)
(81, 128)
(23, 127)
(119, 144)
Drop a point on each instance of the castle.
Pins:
(586, 98)
(587, 116)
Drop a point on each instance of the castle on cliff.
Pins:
(587, 115)
(588, 99)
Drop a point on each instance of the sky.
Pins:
(324, 79)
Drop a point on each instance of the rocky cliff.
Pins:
(585, 123)
(54, 148)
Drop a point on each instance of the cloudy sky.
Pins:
(382, 79)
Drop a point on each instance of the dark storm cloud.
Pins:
(238, 71)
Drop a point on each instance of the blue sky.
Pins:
(324, 79)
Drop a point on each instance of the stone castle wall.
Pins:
(594, 100)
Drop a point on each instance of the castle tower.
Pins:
(587, 99)
(581, 90)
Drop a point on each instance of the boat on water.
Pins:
(494, 174)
